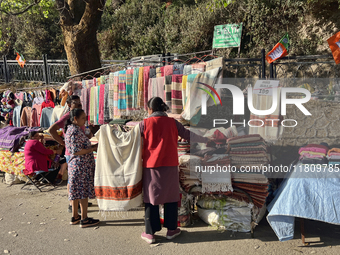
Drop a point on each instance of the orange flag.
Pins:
(334, 44)
(21, 60)
(280, 50)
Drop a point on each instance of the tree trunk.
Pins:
(80, 34)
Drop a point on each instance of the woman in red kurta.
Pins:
(160, 168)
(36, 155)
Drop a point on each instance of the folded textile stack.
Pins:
(255, 185)
(333, 156)
(313, 154)
(226, 213)
(188, 177)
(215, 174)
(248, 150)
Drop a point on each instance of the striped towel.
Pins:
(140, 98)
(178, 69)
(111, 89)
(197, 68)
(146, 85)
(129, 77)
(176, 94)
(168, 70)
(152, 88)
(116, 114)
(122, 93)
(184, 89)
(135, 88)
(167, 90)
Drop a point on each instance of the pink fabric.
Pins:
(162, 71)
(146, 85)
(101, 104)
(61, 124)
(36, 156)
(35, 117)
(334, 154)
(168, 70)
(307, 155)
(314, 148)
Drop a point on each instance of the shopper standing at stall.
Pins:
(160, 168)
(81, 167)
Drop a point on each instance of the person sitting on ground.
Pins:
(36, 156)
(81, 168)
(72, 102)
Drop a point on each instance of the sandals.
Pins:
(75, 221)
(88, 222)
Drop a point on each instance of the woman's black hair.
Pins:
(73, 113)
(33, 133)
(157, 104)
(72, 98)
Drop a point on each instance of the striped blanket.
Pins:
(176, 94)
(146, 85)
(92, 105)
(160, 72)
(140, 98)
(122, 93)
(129, 92)
(135, 88)
(167, 90)
(156, 87)
(106, 99)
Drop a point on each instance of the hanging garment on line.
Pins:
(135, 88)
(184, 89)
(129, 78)
(146, 85)
(111, 91)
(46, 117)
(122, 93)
(56, 114)
(25, 119)
(140, 99)
(167, 90)
(178, 69)
(106, 100)
(176, 94)
(116, 95)
(118, 174)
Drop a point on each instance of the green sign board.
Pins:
(227, 36)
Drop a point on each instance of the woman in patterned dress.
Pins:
(81, 168)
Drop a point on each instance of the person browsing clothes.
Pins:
(81, 167)
(160, 168)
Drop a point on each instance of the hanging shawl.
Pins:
(92, 104)
(176, 94)
(146, 85)
(129, 77)
(140, 99)
(98, 100)
(135, 88)
(167, 90)
(111, 79)
(178, 69)
(184, 87)
(118, 175)
(197, 68)
(122, 93)
(116, 95)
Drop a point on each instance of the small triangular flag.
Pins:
(280, 50)
(21, 60)
(334, 44)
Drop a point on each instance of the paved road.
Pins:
(37, 223)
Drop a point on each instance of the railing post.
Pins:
(271, 70)
(263, 57)
(5, 68)
(45, 69)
